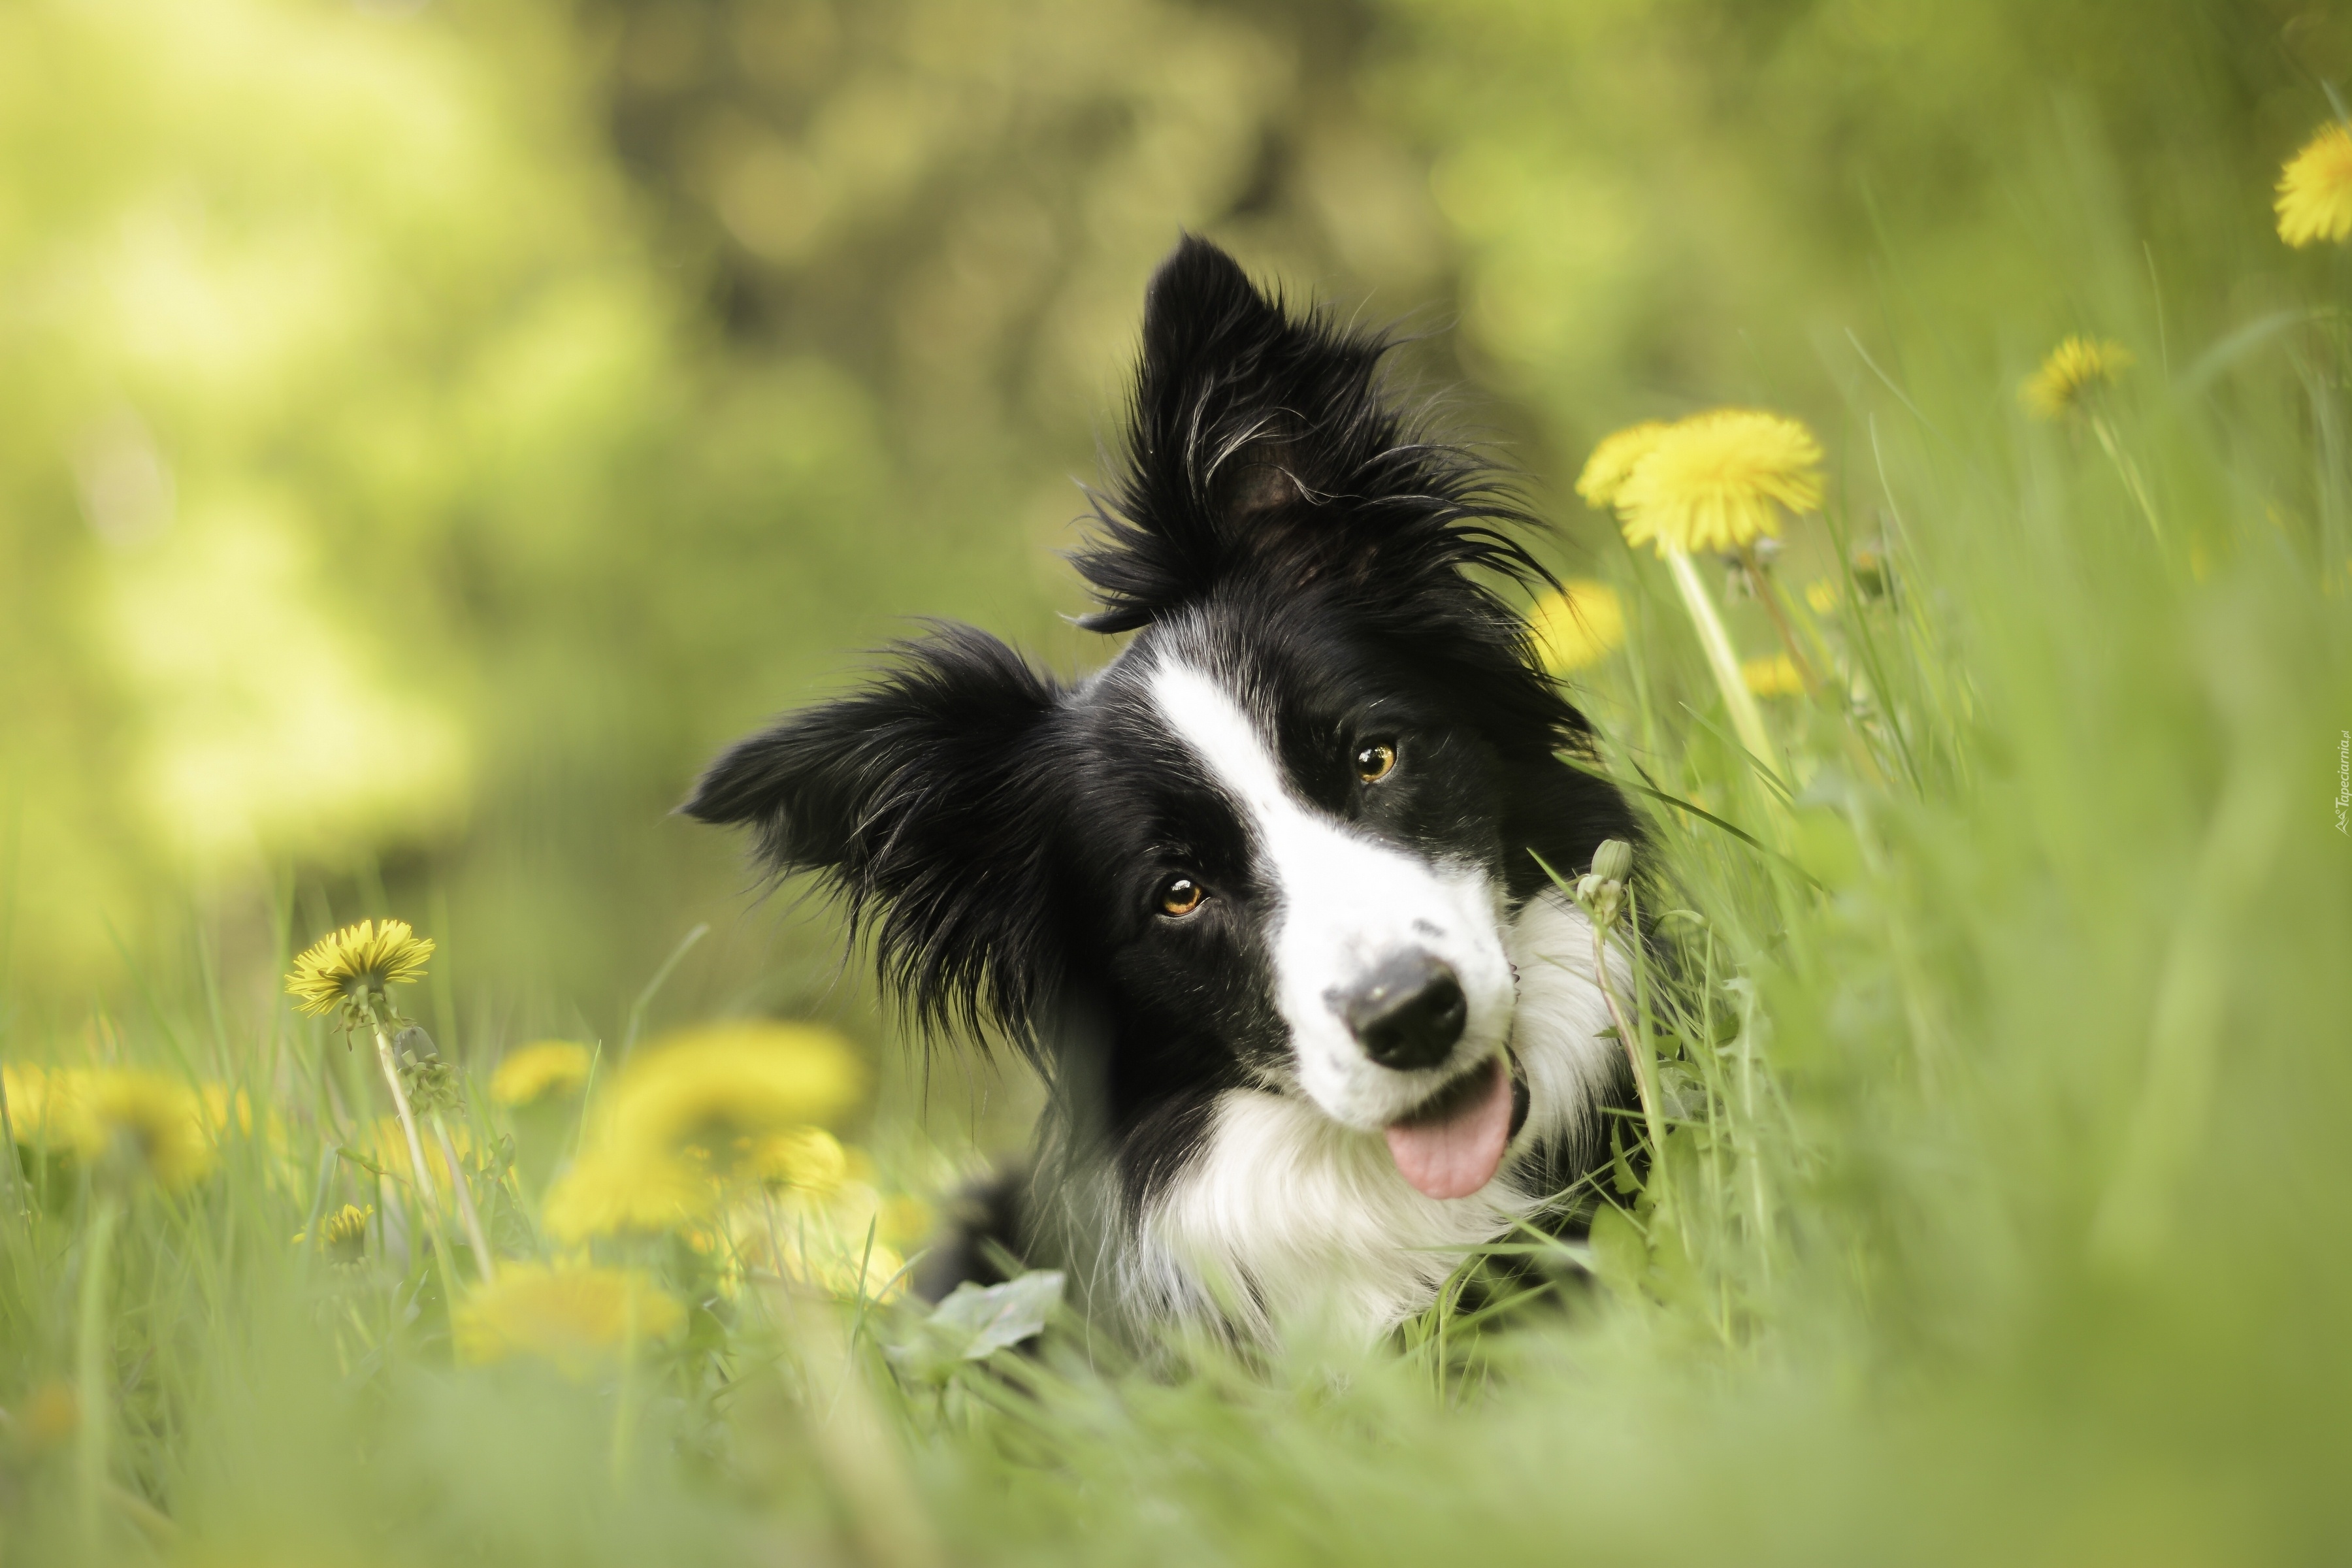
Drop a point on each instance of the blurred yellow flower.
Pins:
(873, 1274)
(1775, 676)
(713, 1094)
(543, 1070)
(613, 1190)
(29, 1093)
(142, 1122)
(349, 967)
(1577, 626)
(838, 1243)
(2075, 369)
(1822, 595)
(47, 1416)
(702, 1109)
(2314, 189)
(1613, 461)
(806, 1157)
(158, 1123)
(906, 1219)
(575, 1316)
(1717, 481)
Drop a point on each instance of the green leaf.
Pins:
(983, 1319)
(975, 1321)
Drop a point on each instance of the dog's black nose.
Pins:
(1408, 1012)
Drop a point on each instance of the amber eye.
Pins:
(1376, 761)
(1180, 896)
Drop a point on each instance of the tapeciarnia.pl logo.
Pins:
(2344, 782)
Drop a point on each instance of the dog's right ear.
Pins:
(926, 803)
(1264, 447)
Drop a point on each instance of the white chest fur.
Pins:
(1286, 1215)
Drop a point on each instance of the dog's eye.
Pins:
(1376, 761)
(1180, 896)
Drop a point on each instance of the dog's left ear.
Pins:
(1263, 444)
(926, 803)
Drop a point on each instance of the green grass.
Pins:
(2002, 1218)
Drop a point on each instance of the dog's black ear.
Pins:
(1262, 442)
(926, 803)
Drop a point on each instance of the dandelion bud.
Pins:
(1613, 861)
(432, 1083)
(346, 1235)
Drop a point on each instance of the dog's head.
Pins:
(1277, 841)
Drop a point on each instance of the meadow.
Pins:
(1995, 1040)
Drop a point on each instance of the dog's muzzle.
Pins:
(1407, 1013)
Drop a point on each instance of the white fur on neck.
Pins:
(1285, 1214)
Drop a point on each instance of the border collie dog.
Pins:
(1264, 898)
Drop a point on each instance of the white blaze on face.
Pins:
(1344, 901)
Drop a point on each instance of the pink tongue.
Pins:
(1454, 1155)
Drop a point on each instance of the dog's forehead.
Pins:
(1144, 792)
(1297, 678)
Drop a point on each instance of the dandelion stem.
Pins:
(1637, 1053)
(1746, 718)
(467, 1211)
(2129, 471)
(91, 1358)
(429, 1194)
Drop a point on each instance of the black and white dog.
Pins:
(1262, 897)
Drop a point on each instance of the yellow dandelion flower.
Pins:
(32, 1095)
(703, 1108)
(615, 1189)
(576, 1317)
(157, 1123)
(1717, 481)
(1577, 626)
(835, 1243)
(352, 967)
(714, 1093)
(343, 1236)
(2075, 369)
(806, 1157)
(1613, 461)
(2314, 189)
(48, 1416)
(137, 1122)
(1776, 676)
(874, 1274)
(906, 1219)
(1822, 595)
(547, 1069)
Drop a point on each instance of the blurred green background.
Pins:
(431, 430)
